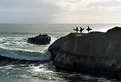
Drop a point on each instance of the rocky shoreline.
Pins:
(95, 53)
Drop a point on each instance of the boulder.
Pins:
(41, 39)
(94, 53)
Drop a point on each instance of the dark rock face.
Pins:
(93, 53)
(40, 39)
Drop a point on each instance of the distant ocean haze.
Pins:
(52, 29)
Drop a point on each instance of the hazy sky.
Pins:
(60, 11)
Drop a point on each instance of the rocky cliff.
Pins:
(93, 53)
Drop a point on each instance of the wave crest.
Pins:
(25, 55)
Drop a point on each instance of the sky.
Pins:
(60, 11)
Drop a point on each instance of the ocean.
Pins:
(13, 44)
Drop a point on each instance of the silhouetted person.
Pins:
(76, 29)
(81, 29)
(88, 29)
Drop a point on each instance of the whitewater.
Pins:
(18, 48)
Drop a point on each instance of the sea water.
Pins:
(13, 44)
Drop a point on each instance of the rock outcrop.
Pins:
(40, 39)
(94, 53)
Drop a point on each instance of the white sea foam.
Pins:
(18, 48)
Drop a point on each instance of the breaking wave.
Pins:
(18, 48)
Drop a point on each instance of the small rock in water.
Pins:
(41, 39)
